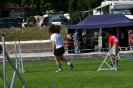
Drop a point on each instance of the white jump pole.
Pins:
(13, 79)
(16, 55)
(4, 61)
(20, 59)
(14, 74)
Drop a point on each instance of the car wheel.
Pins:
(12, 26)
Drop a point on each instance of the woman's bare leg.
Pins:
(58, 61)
(63, 59)
(66, 61)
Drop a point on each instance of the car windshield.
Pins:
(20, 19)
(61, 17)
(57, 20)
(123, 11)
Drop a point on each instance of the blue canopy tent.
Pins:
(102, 21)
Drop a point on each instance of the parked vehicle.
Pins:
(10, 22)
(115, 6)
(60, 21)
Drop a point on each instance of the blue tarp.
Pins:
(102, 21)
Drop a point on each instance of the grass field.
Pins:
(84, 75)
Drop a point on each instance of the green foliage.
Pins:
(30, 33)
(59, 5)
(74, 17)
(80, 6)
(77, 7)
(84, 75)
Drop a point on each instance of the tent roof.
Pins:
(102, 21)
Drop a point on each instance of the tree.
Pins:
(59, 5)
(81, 6)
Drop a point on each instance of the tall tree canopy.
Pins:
(76, 6)
(67, 5)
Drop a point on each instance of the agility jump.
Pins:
(113, 67)
(16, 72)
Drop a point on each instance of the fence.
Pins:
(29, 46)
(44, 46)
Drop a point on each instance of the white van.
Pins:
(115, 6)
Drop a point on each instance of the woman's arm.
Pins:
(53, 46)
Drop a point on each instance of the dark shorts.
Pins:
(59, 52)
(95, 42)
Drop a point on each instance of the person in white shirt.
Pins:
(57, 47)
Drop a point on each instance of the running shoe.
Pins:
(71, 66)
(59, 70)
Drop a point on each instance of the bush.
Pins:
(29, 33)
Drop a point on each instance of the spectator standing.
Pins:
(130, 39)
(118, 36)
(96, 41)
(76, 42)
(69, 36)
(84, 36)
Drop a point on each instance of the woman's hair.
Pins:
(54, 29)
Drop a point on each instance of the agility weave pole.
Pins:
(2, 76)
(19, 61)
(16, 72)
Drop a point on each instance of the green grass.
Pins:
(84, 75)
